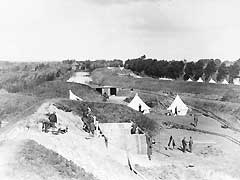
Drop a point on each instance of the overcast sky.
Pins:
(108, 29)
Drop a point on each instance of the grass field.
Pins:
(202, 90)
(222, 100)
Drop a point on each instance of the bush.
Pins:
(18, 81)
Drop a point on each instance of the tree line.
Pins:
(91, 65)
(204, 68)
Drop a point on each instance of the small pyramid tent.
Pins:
(236, 81)
(178, 107)
(189, 80)
(225, 82)
(74, 97)
(212, 81)
(200, 80)
(136, 101)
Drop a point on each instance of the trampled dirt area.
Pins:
(212, 157)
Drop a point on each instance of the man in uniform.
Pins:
(53, 119)
(149, 145)
(105, 97)
(184, 144)
(195, 120)
(171, 140)
(190, 144)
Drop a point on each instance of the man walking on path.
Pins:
(190, 144)
(195, 119)
(149, 145)
(184, 144)
(171, 140)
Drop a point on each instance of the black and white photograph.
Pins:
(119, 90)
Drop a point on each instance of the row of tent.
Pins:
(211, 81)
(177, 107)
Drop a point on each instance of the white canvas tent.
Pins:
(189, 80)
(225, 82)
(178, 107)
(212, 81)
(236, 81)
(200, 80)
(74, 97)
(136, 101)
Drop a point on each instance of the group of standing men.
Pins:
(184, 144)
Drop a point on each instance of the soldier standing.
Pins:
(184, 144)
(190, 144)
(149, 145)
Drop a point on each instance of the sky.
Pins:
(119, 29)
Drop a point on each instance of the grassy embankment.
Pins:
(107, 112)
(12, 105)
(41, 163)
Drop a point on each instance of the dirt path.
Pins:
(185, 127)
(117, 100)
(213, 157)
(217, 118)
